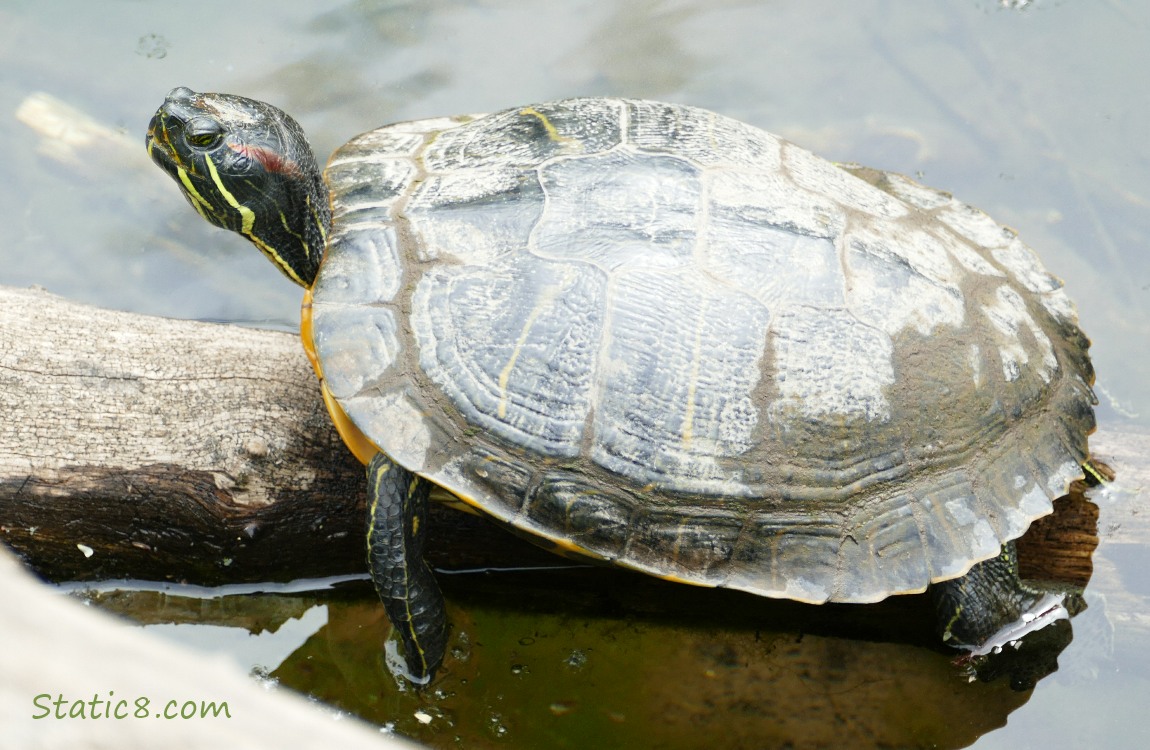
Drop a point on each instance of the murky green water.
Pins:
(1037, 114)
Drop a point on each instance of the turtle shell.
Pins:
(670, 340)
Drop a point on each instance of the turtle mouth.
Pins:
(164, 127)
(159, 144)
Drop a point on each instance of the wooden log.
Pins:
(143, 447)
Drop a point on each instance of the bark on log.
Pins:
(143, 447)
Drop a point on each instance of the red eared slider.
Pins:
(661, 338)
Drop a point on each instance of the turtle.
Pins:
(655, 336)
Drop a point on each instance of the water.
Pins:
(1035, 112)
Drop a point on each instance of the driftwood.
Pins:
(150, 448)
(74, 677)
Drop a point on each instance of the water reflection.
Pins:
(601, 657)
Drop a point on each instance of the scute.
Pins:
(356, 347)
(672, 341)
(902, 280)
(618, 208)
(513, 348)
(692, 133)
(845, 368)
(674, 407)
(473, 217)
(526, 136)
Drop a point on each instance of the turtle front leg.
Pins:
(396, 530)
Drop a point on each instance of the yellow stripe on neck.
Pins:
(248, 217)
(198, 201)
(247, 224)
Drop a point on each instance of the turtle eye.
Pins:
(203, 134)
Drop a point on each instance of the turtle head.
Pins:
(246, 166)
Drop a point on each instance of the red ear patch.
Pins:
(271, 160)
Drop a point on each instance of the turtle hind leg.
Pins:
(971, 609)
(396, 530)
(992, 607)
